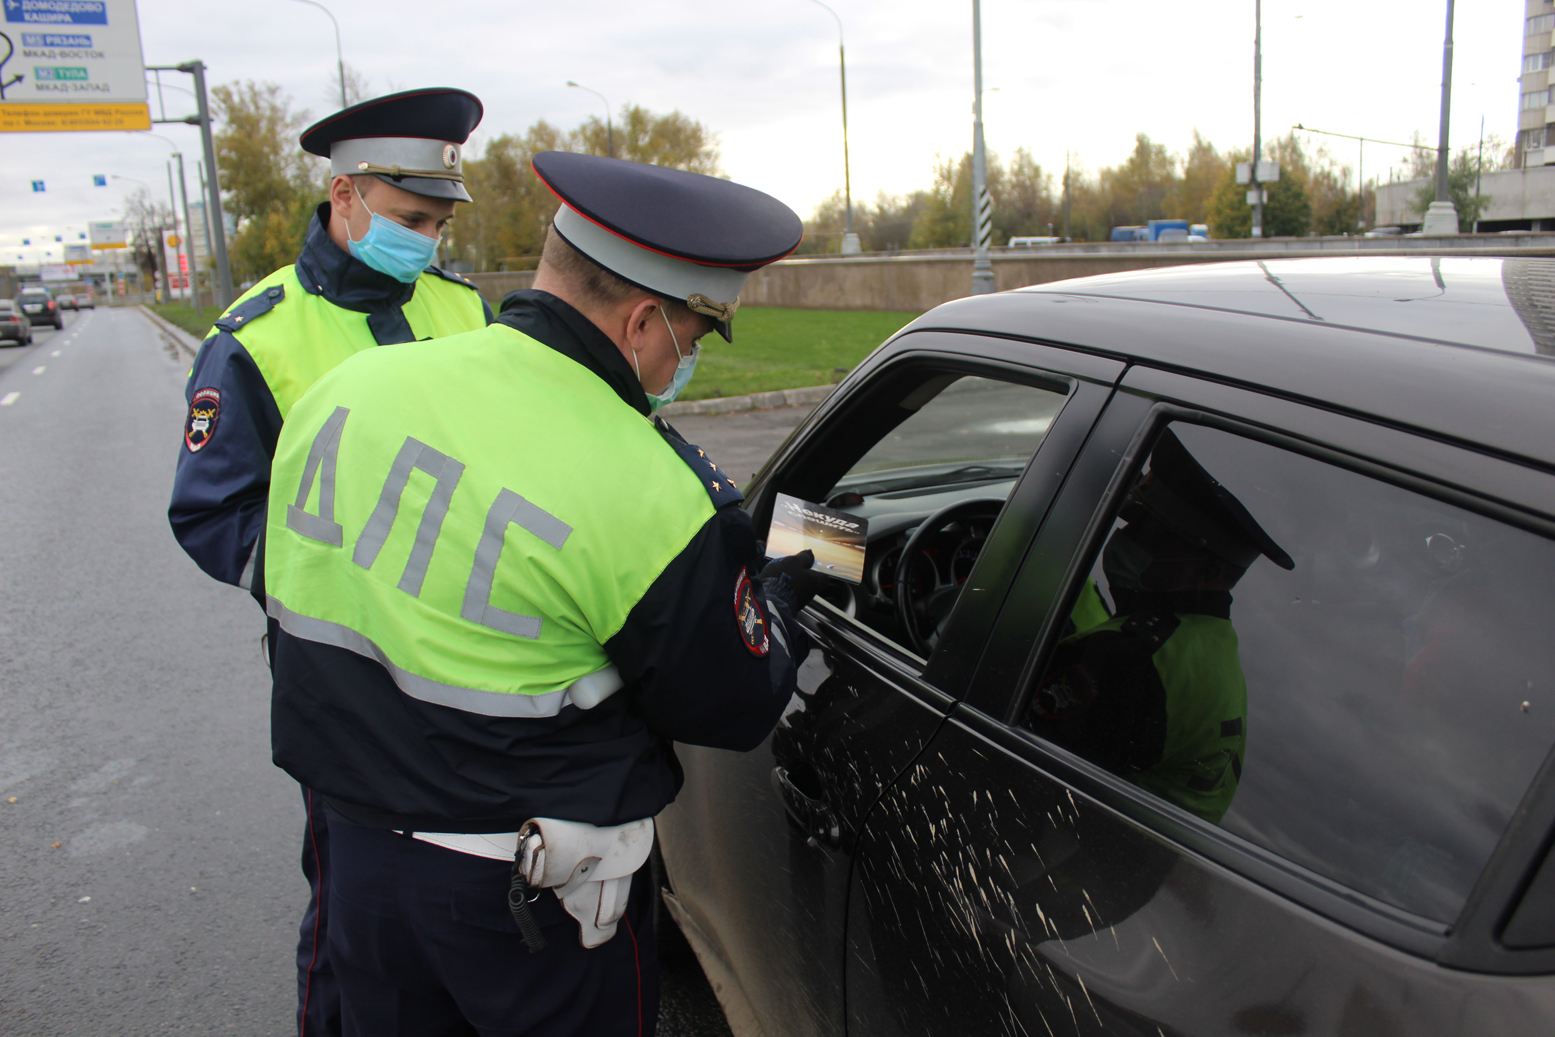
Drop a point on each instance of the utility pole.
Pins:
(194, 268)
(224, 292)
(1441, 218)
(850, 242)
(982, 205)
(172, 207)
(1256, 187)
(1066, 194)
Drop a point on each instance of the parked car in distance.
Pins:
(39, 306)
(85, 301)
(1199, 679)
(14, 325)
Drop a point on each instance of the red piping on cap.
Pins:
(746, 267)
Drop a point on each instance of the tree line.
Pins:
(271, 187)
(1312, 196)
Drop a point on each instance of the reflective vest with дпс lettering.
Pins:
(481, 512)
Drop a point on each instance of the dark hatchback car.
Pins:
(14, 325)
(40, 307)
(1201, 679)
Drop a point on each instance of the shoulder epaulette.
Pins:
(250, 310)
(719, 486)
(455, 278)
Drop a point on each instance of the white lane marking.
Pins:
(8, 399)
(55, 353)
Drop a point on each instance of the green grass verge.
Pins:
(773, 348)
(788, 349)
(196, 323)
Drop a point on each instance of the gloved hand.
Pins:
(792, 579)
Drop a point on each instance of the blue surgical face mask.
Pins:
(392, 249)
(683, 371)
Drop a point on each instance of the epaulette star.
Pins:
(716, 487)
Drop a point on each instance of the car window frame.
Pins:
(1520, 495)
(1088, 381)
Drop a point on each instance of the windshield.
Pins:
(962, 430)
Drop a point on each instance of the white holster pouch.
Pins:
(590, 869)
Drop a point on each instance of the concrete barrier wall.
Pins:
(918, 282)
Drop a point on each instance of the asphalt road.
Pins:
(147, 846)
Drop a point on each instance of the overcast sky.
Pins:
(1081, 75)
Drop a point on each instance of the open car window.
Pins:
(945, 441)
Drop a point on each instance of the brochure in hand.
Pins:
(836, 537)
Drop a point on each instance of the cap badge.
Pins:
(450, 156)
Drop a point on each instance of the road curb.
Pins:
(755, 401)
(173, 333)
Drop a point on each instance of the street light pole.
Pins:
(850, 242)
(1441, 218)
(224, 293)
(1254, 184)
(340, 59)
(982, 205)
(194, 266)
(610, 136)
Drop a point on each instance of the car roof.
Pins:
(1462, 348)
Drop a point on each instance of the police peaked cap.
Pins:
(678, 235)
(413, 140)
(1190, 502)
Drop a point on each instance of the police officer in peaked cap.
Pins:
(503, 590)
(1156, 693)
(364, 279)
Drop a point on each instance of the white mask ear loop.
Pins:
(370, 215)
(673, 337)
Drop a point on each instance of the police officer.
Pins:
(364, 278)
(503, 590)
(1156, 693)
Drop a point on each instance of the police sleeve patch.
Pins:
(200, 426)
(748, 616)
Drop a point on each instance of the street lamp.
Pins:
(1441, 217)
(610, 136)
(850, 242)
(339, 54)
(982, 205)
(183, 192)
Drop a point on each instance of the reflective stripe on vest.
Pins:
(479, 515)
(307, 335)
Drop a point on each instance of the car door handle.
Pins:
(811, 815)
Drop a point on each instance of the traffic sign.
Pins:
(37, 185)
(84, 67)
(99, 180)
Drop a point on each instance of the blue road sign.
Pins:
(57, 12)
(37, 185)
(99, 180)
(58, 237)
(26, 241)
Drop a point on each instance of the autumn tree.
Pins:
(512, 209)
(145, 221)
(270, 185)
(1288, 211)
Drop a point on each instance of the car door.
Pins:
(1372, 864)
(758, 846)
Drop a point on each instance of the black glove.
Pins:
(792, 580)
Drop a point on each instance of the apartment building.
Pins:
(1536, 116)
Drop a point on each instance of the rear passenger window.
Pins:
(1347, 673)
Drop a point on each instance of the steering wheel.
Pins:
(928, 612)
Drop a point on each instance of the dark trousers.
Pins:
(318, 995)
(422, 943)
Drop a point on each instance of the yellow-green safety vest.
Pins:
(438, 308)
(479, 514)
